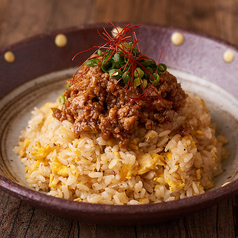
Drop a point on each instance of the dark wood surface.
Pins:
(24, 18)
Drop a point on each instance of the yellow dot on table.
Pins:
(228, 56)
(177, 38)
(9, 57)
(61, 40)
(115, 31)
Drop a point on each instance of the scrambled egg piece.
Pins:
(146, 162)
(190, 139)
(58, 168)
(26, 143)
(117, 154)
(175, 186)
(40, 152)
(53, 182)
(126, 171)
(33, 167)
(168, 155)
(198, 173)
(160, 179)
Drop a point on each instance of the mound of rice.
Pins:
(157, 166)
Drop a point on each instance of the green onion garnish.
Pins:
(92, 62)
(117, 57)
(126, 77)
(139, 73)
(100, 52)
(162, 68)
(115, 73)
(148, 63)
(145, 83)
(68, 85)
(136, 82)
(124, 61)
(107, 65)
(62, 99)
(153, 78)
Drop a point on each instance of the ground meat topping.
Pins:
(97, 103)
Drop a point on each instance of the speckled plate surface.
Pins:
(38, 73)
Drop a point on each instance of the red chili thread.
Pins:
(112, 45)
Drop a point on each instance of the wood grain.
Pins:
(25, 18)
(30, 17)
(21, 220)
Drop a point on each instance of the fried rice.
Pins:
(158, 164)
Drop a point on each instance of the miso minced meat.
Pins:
(98, 103)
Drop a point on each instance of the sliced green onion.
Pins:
(62, 99)
(115, 73)
(139, 73)
(100, 52)
(92, 62)
(162, 67)
(68, 85)
(149, 69)
(157, 78)
(125, 46)
(117, 57)
(144, 83)
(152, 79)
(148, 63)
(106, 66)
(125, 60)
(126, 77)
(136, 82)
(148, 74)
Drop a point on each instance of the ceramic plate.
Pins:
(38, 73)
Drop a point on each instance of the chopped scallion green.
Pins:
(145, 83)
(62, 99)
(157, 78)
(152, 79)
(162, 67)
(115, 73)
(92, 62)
(117, 57)
(100, 52)
(136, 82)
(125, 61)
(148, 63)
(125, 46)
(126, 77)
(68, 85)
(139, 73)
(107, 65)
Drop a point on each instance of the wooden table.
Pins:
(25, 18)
